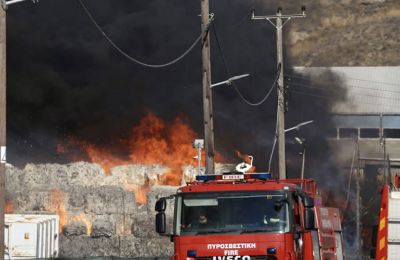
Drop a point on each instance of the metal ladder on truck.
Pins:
(388, 233)
(394, 223)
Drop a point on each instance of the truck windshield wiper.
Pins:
(255, 231)
(217, 231)
(209, 232)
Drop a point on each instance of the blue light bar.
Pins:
(271, 250)
(191, 253)
(205, 177)
(240, 176)
(261, 176)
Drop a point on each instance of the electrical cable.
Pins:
(240, 22)
(296, 84)
(329, 98)
(355, 94)
(273, 146)
(366, 80)
(115, 46)
(234, 84)
(377, 89)
(350, 175)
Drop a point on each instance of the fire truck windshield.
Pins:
(232, 212)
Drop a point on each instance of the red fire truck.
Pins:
(387, 235)
(250, 216)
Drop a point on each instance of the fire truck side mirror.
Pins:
(372, 251)
(160, 223)
(161, 205)
(309, 219)
(308, 202)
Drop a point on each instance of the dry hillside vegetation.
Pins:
(346, 33)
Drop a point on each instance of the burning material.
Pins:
(153, 141)
(85, 220)
(8, 207)
(57, 205)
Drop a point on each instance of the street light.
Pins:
(6, 3)
(296, 127)
(302, 142)
(198, 144)
(229, 81)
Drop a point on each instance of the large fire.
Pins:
(152, 141)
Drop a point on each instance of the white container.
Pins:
(31, 236)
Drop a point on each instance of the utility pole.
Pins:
(207, 94)
(2, 122)
(281, 20)
(3, 143)
(358, 207)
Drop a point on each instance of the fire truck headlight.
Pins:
(191, 253)
(271, 250)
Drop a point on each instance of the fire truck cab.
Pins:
(249, 216)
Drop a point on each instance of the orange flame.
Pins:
(57, 205)
(84, 219)
(152, 141)
(9, 207)
(156, 142)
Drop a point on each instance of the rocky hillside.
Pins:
(346, 33)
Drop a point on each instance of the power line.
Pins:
(351, 174)
(273, 145)
(373, 81)
(296, 84)
(234, 83)
(328, 97)
(383, 83)
(354, 86)
(126, 55)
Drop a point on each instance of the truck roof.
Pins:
(247, 183)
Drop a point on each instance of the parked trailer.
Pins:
(31, 236)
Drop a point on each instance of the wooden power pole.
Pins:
(2, 123)
(281, 99)
(279, 17)
(207, 94)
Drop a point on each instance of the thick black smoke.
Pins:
(65, 80)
